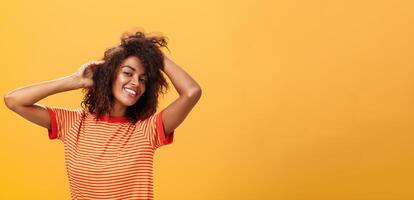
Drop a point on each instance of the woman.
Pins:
(109, 143)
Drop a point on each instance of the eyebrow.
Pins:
(133, 69)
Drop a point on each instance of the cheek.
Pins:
(143, 89)
(116, 87)
(118, 82)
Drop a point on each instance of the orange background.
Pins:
(301, 99)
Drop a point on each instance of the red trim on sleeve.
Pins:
(52, 133)
(160, 129)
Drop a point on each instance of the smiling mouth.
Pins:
(130, 92)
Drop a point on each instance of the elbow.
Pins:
(8, 100)
(195, 93)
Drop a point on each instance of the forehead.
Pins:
(134, 63)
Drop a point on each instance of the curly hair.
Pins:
(99, 99)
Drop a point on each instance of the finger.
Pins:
(99, 61)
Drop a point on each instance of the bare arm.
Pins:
(189, 93)
(23, 100)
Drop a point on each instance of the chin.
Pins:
(129, 103)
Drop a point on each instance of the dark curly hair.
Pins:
(99, 99)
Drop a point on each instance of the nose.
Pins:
(135, 81)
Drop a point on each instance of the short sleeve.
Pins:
(62, 120)
(153, 129)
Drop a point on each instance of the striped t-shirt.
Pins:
(111, 158)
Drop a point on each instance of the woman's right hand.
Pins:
(23, 101)
(85, 73)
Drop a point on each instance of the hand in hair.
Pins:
(85, 73)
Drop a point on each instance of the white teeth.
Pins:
(130, 91)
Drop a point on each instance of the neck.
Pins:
(117, 111)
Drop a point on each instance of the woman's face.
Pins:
(129, 83)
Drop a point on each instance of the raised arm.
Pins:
(189, 93)
(23, 100)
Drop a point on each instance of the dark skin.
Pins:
(23, 100)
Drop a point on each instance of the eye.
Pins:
(128, 73)
(144, 80)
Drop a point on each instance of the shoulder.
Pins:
(150, 123)
(66, 112)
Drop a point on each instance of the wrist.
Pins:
(74, 82)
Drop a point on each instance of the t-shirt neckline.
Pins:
(107, 118)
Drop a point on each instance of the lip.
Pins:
(129, 94)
